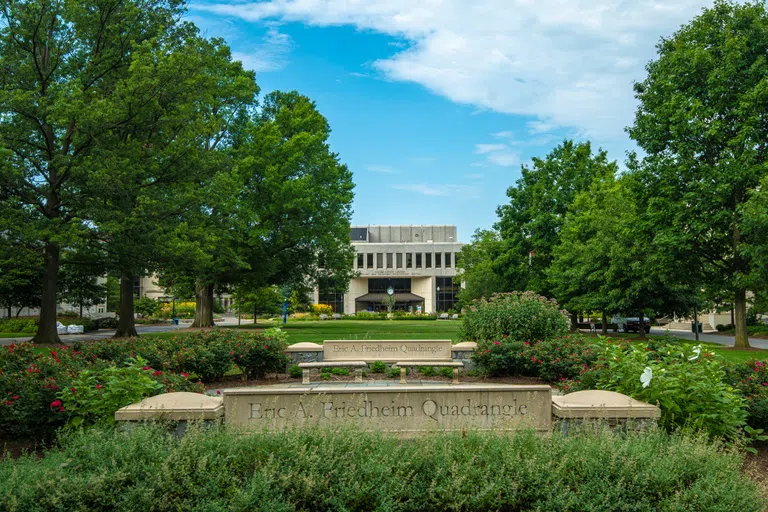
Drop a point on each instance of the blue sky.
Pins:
(435, 104)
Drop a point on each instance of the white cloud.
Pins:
(270, 55)
(474, 176)
(382, 169)
(537, 127)
(504, 135)
(498, 154)
(569, 64)
(439, 190)
(482, 149)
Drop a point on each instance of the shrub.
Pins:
(750, 378)
(145, 306)
(184, 309)
(108, 322)
(686, 382)
(219, 469)
(394, 372)
(553, 360)
(411, 316)
(32, 380)
(94, 396)
(520, 316)
(339, 371)
(294, 371)
(378, 367)
(428, 371)
(322, 309)
(26, 325)
(446, 372)
(366, 315)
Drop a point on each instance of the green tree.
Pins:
(146, 306)
(530, 224)
(79, 283)
(62, 65)
(20, 275)
(477, 267)
(701, 124)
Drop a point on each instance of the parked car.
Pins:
(632, 324)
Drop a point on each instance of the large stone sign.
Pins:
(389, 351)
(403, 409)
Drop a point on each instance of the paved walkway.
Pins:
(108, 333)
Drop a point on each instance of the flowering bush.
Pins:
(751, 380)
(687, 382)
(94, 396)
(553, 360)
(521, 316)
(322, 309)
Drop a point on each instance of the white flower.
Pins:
(646, 377)
(697, 351)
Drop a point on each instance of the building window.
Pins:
(408, 260)
(360, 260)
(438, 258)
(428, 260)
(380, 285)
(389, 260)
(418, 260)
(369, 260)
(399, 260)
(447, 260)
(446, 294)
(379, 260)
(330, 296)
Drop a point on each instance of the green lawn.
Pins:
(13, 334)
(317, 332)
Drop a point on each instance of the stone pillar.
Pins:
(463, 352)
(304, 352)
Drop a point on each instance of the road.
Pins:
(709, 337)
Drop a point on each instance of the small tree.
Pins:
(389, 302)
(146, 306)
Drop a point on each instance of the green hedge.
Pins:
(218, 470)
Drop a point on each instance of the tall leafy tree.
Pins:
(61, 64)
(701, 122)
(477, 266)
(80, 282)
(530, 224)
(20, 275)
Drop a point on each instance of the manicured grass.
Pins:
(317, 332)
(13, 335)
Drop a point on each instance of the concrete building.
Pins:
(417, 262)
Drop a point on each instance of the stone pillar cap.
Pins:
(465, 345)
(304, 346)
(601, 404)
(173, 406)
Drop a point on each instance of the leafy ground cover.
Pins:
(219, 469)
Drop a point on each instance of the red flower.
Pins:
(73, 390)
(99, 386)
(184, 374)
(497, 343)
(146, 368)
(15, 397)
(53, 353)
(56, 403)
(218, 392)
(157, 373)
(533, 359)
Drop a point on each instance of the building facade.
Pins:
(417, 262)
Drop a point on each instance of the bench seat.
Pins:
(445, 364)
(357, 365)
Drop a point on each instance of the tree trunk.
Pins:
(46, 329)
(81, 310)
(126, 326)
(740, 306)
(10, 311)
(203, 305)
(574, 321)
(733, 322)
(18, 312)
(641, 328)
(604, 324)
(255, 309)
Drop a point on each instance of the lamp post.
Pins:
(437, 299)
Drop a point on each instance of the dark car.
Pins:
(633, 325)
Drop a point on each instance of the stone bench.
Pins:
(357, 365)
(445, 364)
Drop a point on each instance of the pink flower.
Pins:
(73, 390)
(218, 392)
(184, 374)
(157, 373)
(99, 386)
(146, 368)
(496, 343)
(56, 403)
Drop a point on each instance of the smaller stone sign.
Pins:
(389, 351)
(401, 409)
(180, 406)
